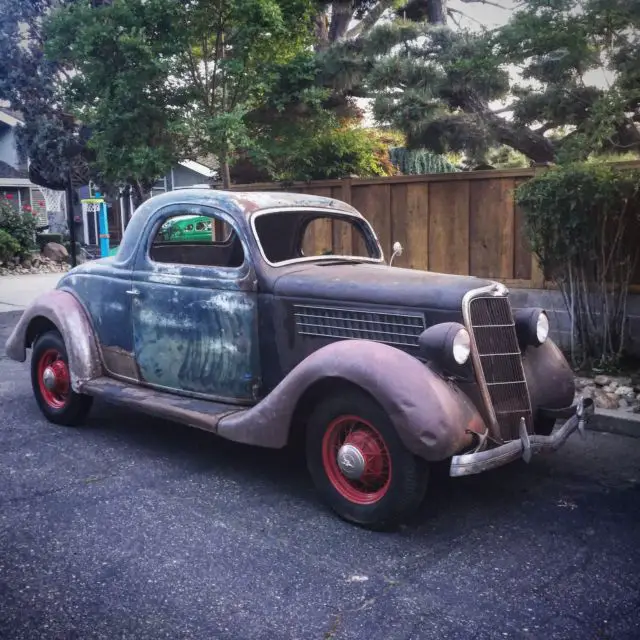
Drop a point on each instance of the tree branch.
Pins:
(489, 2)
(369, 20)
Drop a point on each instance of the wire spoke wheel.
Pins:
(356, 459)
(53, 379)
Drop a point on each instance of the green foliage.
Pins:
(9, 246)
(439, 85)
(29, 82)
(336, 153)
(419, 161)
(161, 80)
(20, 225)
(583, 223)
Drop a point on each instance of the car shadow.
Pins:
(285, 471)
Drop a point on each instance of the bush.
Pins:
(20, 225)
(583, 223)
(9, 247)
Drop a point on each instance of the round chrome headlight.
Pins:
(542, 327)
(461, 346)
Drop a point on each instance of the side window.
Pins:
(198, 240)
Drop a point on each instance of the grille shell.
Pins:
(397, 329)
(498, 361)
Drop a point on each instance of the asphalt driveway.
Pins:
(132, 527)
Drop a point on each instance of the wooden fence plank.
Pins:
(522, 249)
(373, 202)
(449, 228)
(410, 224)
(491, 228)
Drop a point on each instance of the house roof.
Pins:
(197, 167)
(10, 117)
(7, 171)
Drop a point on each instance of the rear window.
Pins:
(303, 235)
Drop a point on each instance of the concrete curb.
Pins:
(620, 423)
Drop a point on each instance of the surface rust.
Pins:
(68, 316)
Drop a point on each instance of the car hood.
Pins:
(377, 284)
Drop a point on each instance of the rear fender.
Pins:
(431, 415)
(66, 314)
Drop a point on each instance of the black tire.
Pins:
(406, 480)
(62, 406)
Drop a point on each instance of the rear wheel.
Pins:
(359, 464)
(51, 382)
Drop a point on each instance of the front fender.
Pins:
(432, 416)
(62, 310)
(549, 377)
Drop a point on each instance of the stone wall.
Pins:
(553, 304)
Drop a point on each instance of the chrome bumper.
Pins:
(471, 463)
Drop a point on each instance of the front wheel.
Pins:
(359, 464)
(51, 382)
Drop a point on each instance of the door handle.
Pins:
(132, 292)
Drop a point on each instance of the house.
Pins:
(14, 181)
(50, 206)
(119, 210)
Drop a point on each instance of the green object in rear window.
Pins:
(187, 229)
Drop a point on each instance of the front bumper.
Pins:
(471, 463)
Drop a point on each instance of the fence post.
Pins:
(346, 191)
(537, 273)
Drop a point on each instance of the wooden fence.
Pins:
(465, 223)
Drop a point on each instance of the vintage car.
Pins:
(288, 327)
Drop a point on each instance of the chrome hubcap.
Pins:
(49, 378)
(351, 461)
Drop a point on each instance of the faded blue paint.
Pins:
(101, 287)
(195, 328)
(191, 328)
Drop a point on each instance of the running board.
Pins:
(202, 414)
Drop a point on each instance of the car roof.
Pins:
(240, 205)
(244, 203)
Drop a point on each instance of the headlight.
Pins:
(447, 346)
(532, 327)
(461, 346)
(542, 327)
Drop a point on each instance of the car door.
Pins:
(194, 309)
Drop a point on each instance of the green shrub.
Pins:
(20, 225)
(583, 223)
(9, 247)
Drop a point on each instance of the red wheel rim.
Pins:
(367, 449)
(53, 379)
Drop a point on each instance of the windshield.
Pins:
(292, 235)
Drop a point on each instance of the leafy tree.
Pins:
(50, 137)
(117, 59)
(160, 80)
(440, 85)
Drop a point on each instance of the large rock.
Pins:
(626, 392)
(602, 381)
(55, 252)
(606, 400)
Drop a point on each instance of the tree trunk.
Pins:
(225, 173)
(437, 11)
(139, 193)
(341, 16)
(533, 145)
(321, 32)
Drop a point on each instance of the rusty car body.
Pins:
(257, 338)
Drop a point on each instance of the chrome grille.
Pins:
(499, 363)
(391, 328)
